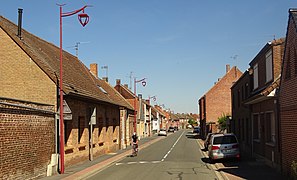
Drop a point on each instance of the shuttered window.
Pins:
(256, 82)
(269, 66)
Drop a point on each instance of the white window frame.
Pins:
(256, 80)
(269, 66)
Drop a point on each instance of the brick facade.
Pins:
(27, 139)
(240, 124)
(217, 101)
(255, 107)
(288, 97)
(20, 77)
(106, 134)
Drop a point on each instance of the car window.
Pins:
(224, 140)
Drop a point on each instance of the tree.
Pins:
(192, 122)
(223, 121)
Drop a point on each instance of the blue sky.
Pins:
(180, 46)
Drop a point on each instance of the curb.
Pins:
(215, 167)
(83, 174)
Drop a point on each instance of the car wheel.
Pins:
(212, 161)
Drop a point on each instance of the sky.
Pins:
(181, 47)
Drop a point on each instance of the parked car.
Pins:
(196, 130)
(207, 140)
(162, 132)
(223, 146)
(171, 129)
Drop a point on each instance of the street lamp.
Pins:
(143, 83)
(153, 97)
(83, 19)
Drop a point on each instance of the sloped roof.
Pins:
(234, 68)
(265, 92)
(121, 88)
(112, 93)
(77, 79)
(160, 111)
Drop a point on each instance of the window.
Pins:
(67, 130)
(227, 139)
(270, 126)
(256, 127)
(255, 68)
(81, 128)
(246, 91)
(269, 66)
(238, 98)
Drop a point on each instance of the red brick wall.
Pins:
(218, 99)
(288, 102)
(27, 140)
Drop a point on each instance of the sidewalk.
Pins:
(87, 168)
(245, 169)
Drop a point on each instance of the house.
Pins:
(140, 107)
(126, 109)
(217, 101)
(29, 82)
(240, 123)
(159, 117)
(265, 69)
(288, 97)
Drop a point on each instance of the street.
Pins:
(176, 156)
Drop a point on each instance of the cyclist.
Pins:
(134, 144)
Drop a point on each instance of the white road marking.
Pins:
(139, 162)
(172, 147)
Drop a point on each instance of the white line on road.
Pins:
(172, 147)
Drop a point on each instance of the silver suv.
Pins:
(223, 146)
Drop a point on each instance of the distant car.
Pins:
(175, 128)
(171, 129)
(196, 130)
(223, 146)
(162, 132)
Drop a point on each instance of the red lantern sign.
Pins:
(83, 19)
(143, 83)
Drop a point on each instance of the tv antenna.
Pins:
(76, 47)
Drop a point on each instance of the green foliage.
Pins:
(223, 121)
(294, 170)
(192, 122)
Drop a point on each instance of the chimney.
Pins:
(227, 68)
(126, 86)
(118, 82)
(105, 79)
(94, 69)
(20, 23)
(140, 96)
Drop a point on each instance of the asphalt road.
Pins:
(177, 156)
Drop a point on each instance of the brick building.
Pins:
(240, 123)
(288, 96)
(27, 138)
(265, 69)
(217, 101)
(29, 72)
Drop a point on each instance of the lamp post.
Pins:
(143, 82)
(83, 19)
(149, 124)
